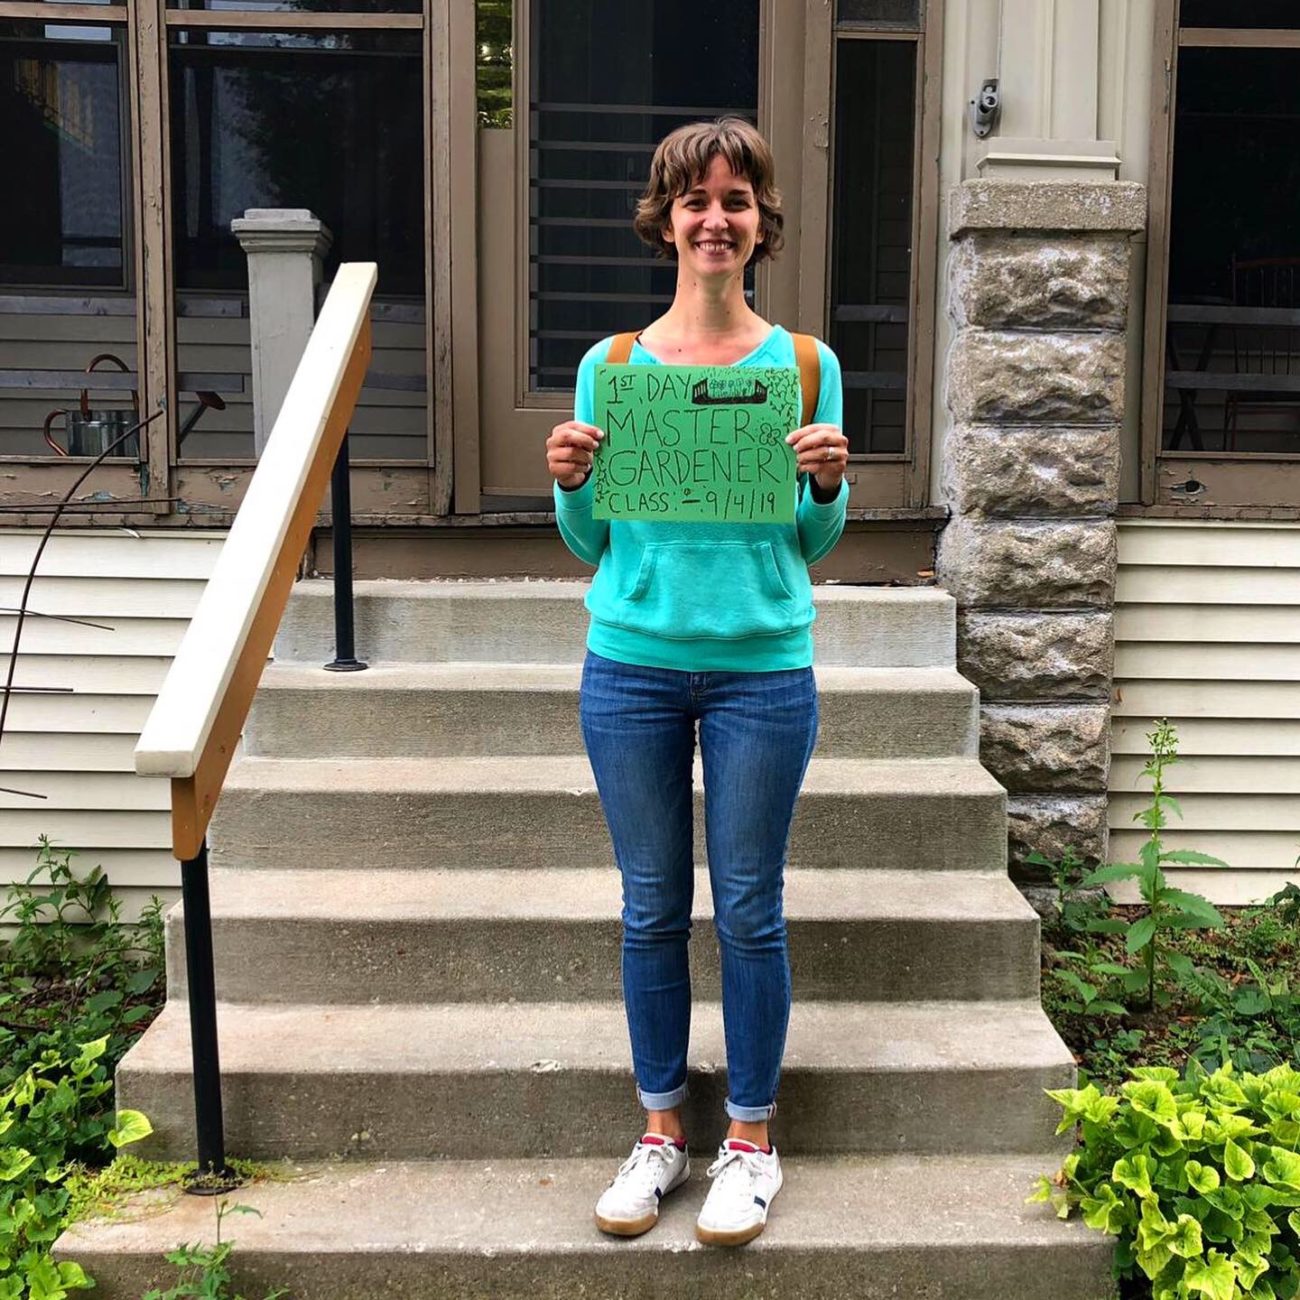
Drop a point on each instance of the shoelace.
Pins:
(732, 1162)
(640, 1170)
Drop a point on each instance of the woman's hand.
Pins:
(569, 450)
(822, 450)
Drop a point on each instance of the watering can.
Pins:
(91, 432)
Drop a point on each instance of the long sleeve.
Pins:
(820, 525)
(584, 535)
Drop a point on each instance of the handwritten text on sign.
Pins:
(696, 443)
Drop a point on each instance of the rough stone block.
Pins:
(1047, 281)
(1044, 749)
(1027, 564)
(1014, 470)
(1002, 377)
(1039, 655)
(1005, 204)
(1049, 824)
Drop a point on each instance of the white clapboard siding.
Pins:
(1207, 630)
(73, 742)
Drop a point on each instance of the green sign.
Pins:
(696, 443)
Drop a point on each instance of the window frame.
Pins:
(1258, 484)
(207, 490)
(897, 479)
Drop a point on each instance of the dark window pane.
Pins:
(1233, 344)
(871, 253)
(879, 13)
(60, 102)
(609, 81)
(1240, 13)
(331, 121)
(325, 120)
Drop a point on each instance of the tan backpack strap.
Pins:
(809, 361)
(621, 349)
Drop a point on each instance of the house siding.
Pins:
(1207, 629)
(73, 745)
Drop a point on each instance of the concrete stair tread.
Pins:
(467, 675)
(592, 1036)
(572, 775)
(577, 894)
(518, 1207)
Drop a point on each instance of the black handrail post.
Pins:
(345, 651)
(203, 1026)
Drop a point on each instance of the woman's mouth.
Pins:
(714, 246)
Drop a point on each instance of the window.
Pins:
(1223, 330)
(61, 103)
(609, 80)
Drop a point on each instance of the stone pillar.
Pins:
(285, 247)
(1036, 389)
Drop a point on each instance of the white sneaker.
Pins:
(629, 1206)
(745, 1180)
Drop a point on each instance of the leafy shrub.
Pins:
(1198, 1178)
(205, 1270)
(73, 971)
(52, 1116)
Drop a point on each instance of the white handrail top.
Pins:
(186, 709)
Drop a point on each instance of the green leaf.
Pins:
(1185, 1240)
(73, 1277)
(1140, 933)
(1153, 1098)
(1293, 1222)
(1135, 1172)
(1283, 1168)
(14, 1162)
(1213, 1276)
(1193, 905)
(1104, 1210)
(1249, 1264)
(132, 1126)
(1104, 875)
(1202, 1178)
(92, 1051)
(1190, 858)
(1237, 1162)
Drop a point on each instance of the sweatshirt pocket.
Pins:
(688, 590)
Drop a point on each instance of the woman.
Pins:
(709, 624)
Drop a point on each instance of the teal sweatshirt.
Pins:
(704, 597)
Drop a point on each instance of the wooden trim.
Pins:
(294, 20)
(925, 252)
(1164, 74)
(815, 193)
(458, 486)
(193, 729)
(1231, 481)
(1240, 38)
(1240, 514)
(46, 12)
(151, 173)
(438, 251)
(853, 32)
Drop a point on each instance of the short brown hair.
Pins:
(681, 161)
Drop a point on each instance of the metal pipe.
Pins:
(345, 651)
(203, 1019)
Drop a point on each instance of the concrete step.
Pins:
(876, 1228)
(552, 935)
(545, 622)
(499, 1081)
(412, 710)
(934, 814)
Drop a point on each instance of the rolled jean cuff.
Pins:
(662, 1100)
(750, 1114)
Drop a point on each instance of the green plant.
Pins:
(1198, 1178)
(1287, 902)
(1168, 909)
(204, 1270)
(52, 1116)
(1255, 1025)
(1076, 910)
(73, 970)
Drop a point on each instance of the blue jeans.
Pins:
(756, 734)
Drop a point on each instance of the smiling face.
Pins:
(715, 226)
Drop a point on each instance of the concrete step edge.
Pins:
(576, 895)
(466, 1039)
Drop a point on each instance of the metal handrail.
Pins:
(194, 727)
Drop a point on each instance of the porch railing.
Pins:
(193, 730)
